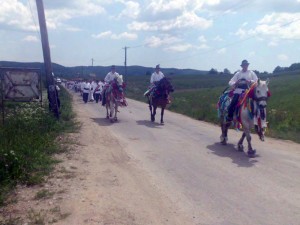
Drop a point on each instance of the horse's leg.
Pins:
(112, 107)
(116, 111)
(162, 115)
(150, 107)
(107, 105)
(154, 113)
(240, 143)
(251, 152)
(224, 129)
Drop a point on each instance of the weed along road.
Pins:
(139, 172)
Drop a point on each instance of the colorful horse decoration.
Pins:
(115, 97)
(158, 96)
(250, 112)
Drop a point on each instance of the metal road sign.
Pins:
(21, 84)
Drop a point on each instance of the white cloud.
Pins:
(155, 42)
(179, 48)
(222, 51)
(14, 14)
(282, 57)
(186, 20)
(17, 15)
(278, 25)
(132, 9)
(251, 54)
(125, 35)
(203, 46)
(202, 39)
(241, 33)
(102, 35)
(109, 34)
(31, 38)
(273, 43)
(244, 24)
(218, 38)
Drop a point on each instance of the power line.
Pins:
(35, 25)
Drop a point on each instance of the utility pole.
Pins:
(92, 62)
(125, 63)
(51, 87)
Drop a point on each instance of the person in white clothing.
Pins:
(108, 79)
(98, 91)
(157, 75)
(240, 82)
(111, 75)
(86, 91)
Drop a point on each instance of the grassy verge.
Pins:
(28, 141)
(197, 95)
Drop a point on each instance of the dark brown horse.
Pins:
(159, 97)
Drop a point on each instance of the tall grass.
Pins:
(27, 141)
(197, 95)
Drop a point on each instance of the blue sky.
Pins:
(196, 34)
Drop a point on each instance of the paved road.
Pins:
(211, 183)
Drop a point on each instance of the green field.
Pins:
(197, 95)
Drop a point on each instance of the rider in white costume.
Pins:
(108, 79)
(240, 81)
(156, 76)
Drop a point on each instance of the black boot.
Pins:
(103, 99)
(231, 107)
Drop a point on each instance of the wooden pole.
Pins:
(51, 87)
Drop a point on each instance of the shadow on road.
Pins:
(102, 121)
(229, 151)
(148, 123)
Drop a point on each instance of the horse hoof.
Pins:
(107, 117)
(251, 153)
(116, 119)
(223, 140)
(162, 123)
(240, 148)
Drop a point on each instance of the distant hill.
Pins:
(99, 71)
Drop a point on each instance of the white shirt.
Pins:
(100, 87)
(86, 87)
(110, 77)
(156, 77)
(248, 75)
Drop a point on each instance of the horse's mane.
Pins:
(249, 93)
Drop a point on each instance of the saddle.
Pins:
(118, 93)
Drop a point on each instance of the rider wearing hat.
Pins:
(157, 75)
(240, 82)
(108, 79)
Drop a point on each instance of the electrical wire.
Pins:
(35, 25)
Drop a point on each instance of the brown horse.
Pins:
(159, 97)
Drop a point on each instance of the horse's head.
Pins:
(118, 82)
(261, 95)
(165, 85)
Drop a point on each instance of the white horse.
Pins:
(114, 98)
(251, 113)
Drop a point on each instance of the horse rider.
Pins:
(156, 76)
(107, 80)
(240, 82)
